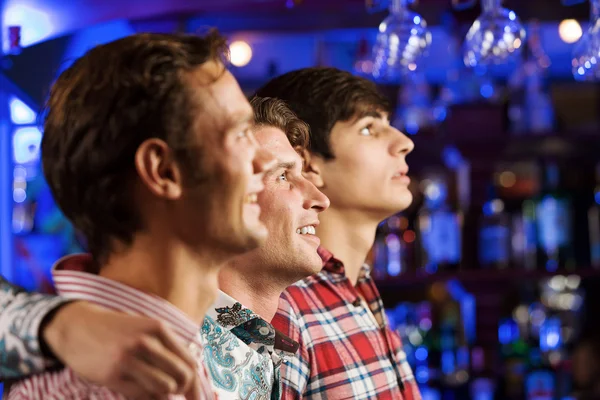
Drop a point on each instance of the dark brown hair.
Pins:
(99, 112)
(323, 96)
(274, 112)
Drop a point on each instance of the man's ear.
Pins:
(312, 168)
(158, 170)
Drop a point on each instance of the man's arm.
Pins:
(295, 370)
(21, 315)
(136, 356)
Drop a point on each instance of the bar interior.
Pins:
(492, 276)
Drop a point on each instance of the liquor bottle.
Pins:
(540, 381)
(530, 109)
(524, 237)
(494, 233)
(554, 223)
(440, 229)
(594, 224)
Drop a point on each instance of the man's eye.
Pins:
(282, 177)
(243, 134)
(366, 131)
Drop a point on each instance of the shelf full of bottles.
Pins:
(488, 298)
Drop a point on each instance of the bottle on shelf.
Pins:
(440, 228)
(494, 233)
(554, 223)
(530, 109)
(594, 224)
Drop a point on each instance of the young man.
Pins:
(146, 139)
(251, 284)
(347, 350)
(243, 352)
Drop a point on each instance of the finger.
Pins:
(155, 353)
(156, 382)
(172, 342)
(195, 391)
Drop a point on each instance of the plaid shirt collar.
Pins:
(248, 326)
(335, 266)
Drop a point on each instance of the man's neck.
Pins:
(349, 235)
(258, 292)
(168, 269)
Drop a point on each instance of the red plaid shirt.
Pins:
(347, 350)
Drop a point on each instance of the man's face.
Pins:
(369, 172)
(233, 164)
(290, 207)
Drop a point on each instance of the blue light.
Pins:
(551, 265)
(417, 20)
(421, 354)
(452, 157)
(512, 16)
(488, 209)
(448, 362)
(35, 24)
(486, 90)
(581, 71)
(20, 113)
(597, 197)
(412, 128)
(507, 331)
(19, 195)
(422, 374)
(26, 144)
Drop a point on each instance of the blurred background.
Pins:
(492, 277)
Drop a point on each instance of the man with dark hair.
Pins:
(243, 352)
(357, 159)
(146, 139)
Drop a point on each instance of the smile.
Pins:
(306, 230)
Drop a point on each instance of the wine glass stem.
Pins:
(489, 5)
(397, 6)
(594, 10)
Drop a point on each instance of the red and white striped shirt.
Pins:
(71, 282)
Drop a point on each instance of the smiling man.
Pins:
(358, 160)
(243, 352)
(146, 139)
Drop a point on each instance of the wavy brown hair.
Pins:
(269, 111)
(98, 113)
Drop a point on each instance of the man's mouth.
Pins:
(307, 230)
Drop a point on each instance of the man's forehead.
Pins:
(275, 140)
(369, 111)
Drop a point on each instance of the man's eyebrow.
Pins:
(282, 165)
(367, 113)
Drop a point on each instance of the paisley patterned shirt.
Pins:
(243, 352)
(21, 314)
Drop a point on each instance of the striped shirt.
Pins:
(347, 350)
(72, 283)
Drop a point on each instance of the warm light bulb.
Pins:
(569, 31)
(240, 53)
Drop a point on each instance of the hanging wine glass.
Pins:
(402, 39)
(586, 53)
(496, 37)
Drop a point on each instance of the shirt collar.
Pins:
(335, 266)
(249, 327)
(73, 282)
